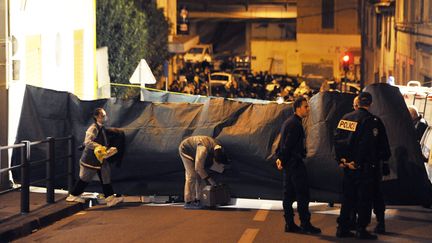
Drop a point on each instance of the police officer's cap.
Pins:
(365, 99)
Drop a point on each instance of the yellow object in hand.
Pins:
(101, 153)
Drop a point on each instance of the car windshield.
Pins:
(219, 77)
(196, 50)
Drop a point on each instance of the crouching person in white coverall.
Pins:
(197, 154)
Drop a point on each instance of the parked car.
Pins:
(415, 88)
(418, 95)
(220, 78)
(348, 87)
(426, 147)
(199, 53)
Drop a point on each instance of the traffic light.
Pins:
(346, 60)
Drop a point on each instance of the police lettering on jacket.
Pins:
(361, 137)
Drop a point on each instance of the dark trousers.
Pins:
(357, 195)
(378, 199)
(378, 204)
(296, 188)
(81, 185)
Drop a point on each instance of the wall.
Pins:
(53, 45)
(284, 54)
(313, 44)
(345, 17)
(309, 48)
(414, 29)
(3, 93)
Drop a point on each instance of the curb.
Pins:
(26, 224)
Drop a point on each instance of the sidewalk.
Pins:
(14, 225)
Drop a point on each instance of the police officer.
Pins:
(290, 154)
(379, 170)
(360, 144)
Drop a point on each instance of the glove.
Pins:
(210, 181)
(386, 169)
(110, 152)
(100, 153)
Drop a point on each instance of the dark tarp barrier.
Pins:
(407, 161)
(249, 133)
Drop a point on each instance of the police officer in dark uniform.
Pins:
(290, 154)
(380, 169)
(360, 144)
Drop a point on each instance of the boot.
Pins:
(292, 227)
(380, 228)
(310, 229)
(343, 233)
(363, 234)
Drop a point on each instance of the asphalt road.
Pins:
(137, 222)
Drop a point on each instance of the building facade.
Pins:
(413, 50)
(380, 41)
(325, 30)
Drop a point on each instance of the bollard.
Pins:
(50, 168)
(25, 178)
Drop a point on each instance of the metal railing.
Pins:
(50, 161)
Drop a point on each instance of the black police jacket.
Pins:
(361, 137)
(291, 147)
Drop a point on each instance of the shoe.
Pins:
(344, 233)
(113, 200)
(364, 235)
(101, 199)
(193, 205)
(380, 228)
(292, 228)
(72, 198)
(310, 229)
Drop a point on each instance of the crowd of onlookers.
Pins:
(195, 79)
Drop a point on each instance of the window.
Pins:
(427, 80)
(411, 72)
(378, 30)
(405, 10)
(389, 32)
(412, 7)
(371, 28)
(422, 10)
(327, 20)
(429, 14)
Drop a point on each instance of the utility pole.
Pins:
(4, 26)
(363, 39)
